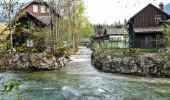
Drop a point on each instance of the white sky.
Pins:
(110, 11)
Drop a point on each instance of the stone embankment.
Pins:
(143, 65)
(34, 61)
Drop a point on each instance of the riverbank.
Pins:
(153, 65)
(78, 80)
(32, 61)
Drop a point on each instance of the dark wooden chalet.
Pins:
(144, 27)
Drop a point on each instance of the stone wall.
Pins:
(34, 61)
(139, 65)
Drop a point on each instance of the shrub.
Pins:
(61, 52)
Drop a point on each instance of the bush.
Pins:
(61, 52)
(22, 48)
(39, 43)
(166, 37)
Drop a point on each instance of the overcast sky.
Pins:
(110, 11)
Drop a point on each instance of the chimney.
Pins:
(161, 6)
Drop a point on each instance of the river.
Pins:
(79, 80)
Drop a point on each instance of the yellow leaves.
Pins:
(2, 27)
(4, 34)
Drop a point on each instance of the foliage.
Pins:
(38, 43)
(77, 26)
(61, 52)
(37, 35)
(121, 52)
(117, 25)
(22, 48)
(152, 50)
(8, 7)
(4, 34)
(10, 87)
(2, 27)
(99, 29)
(71, 26)
(166, 37)
(15, 87)
(87, 30)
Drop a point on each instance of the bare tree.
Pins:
(8, 7)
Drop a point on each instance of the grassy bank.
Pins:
(121, 52)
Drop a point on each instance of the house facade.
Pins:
(37, 12)
(112, 37)
(37, 8)
(144, 27)
(32, 16)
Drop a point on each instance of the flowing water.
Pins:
(78, 80)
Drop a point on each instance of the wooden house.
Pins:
(35, 14)
(32, 17)
(36, 11)
(115, 36)
(144, 27)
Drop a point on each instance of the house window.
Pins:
(158, 18)
(35, 8)
(42, 9)
(116, 38)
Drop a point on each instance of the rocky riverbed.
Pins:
(33, 61)
(143, 65)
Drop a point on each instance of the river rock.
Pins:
(34, 61)
(144, 65)
(167, 68)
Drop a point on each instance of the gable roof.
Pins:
(145, 8)
(24, 6)
(168, 21)
(45, 20)
(117, 31)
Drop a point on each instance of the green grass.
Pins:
(113, 45)
(153, 50)
(113, 51)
